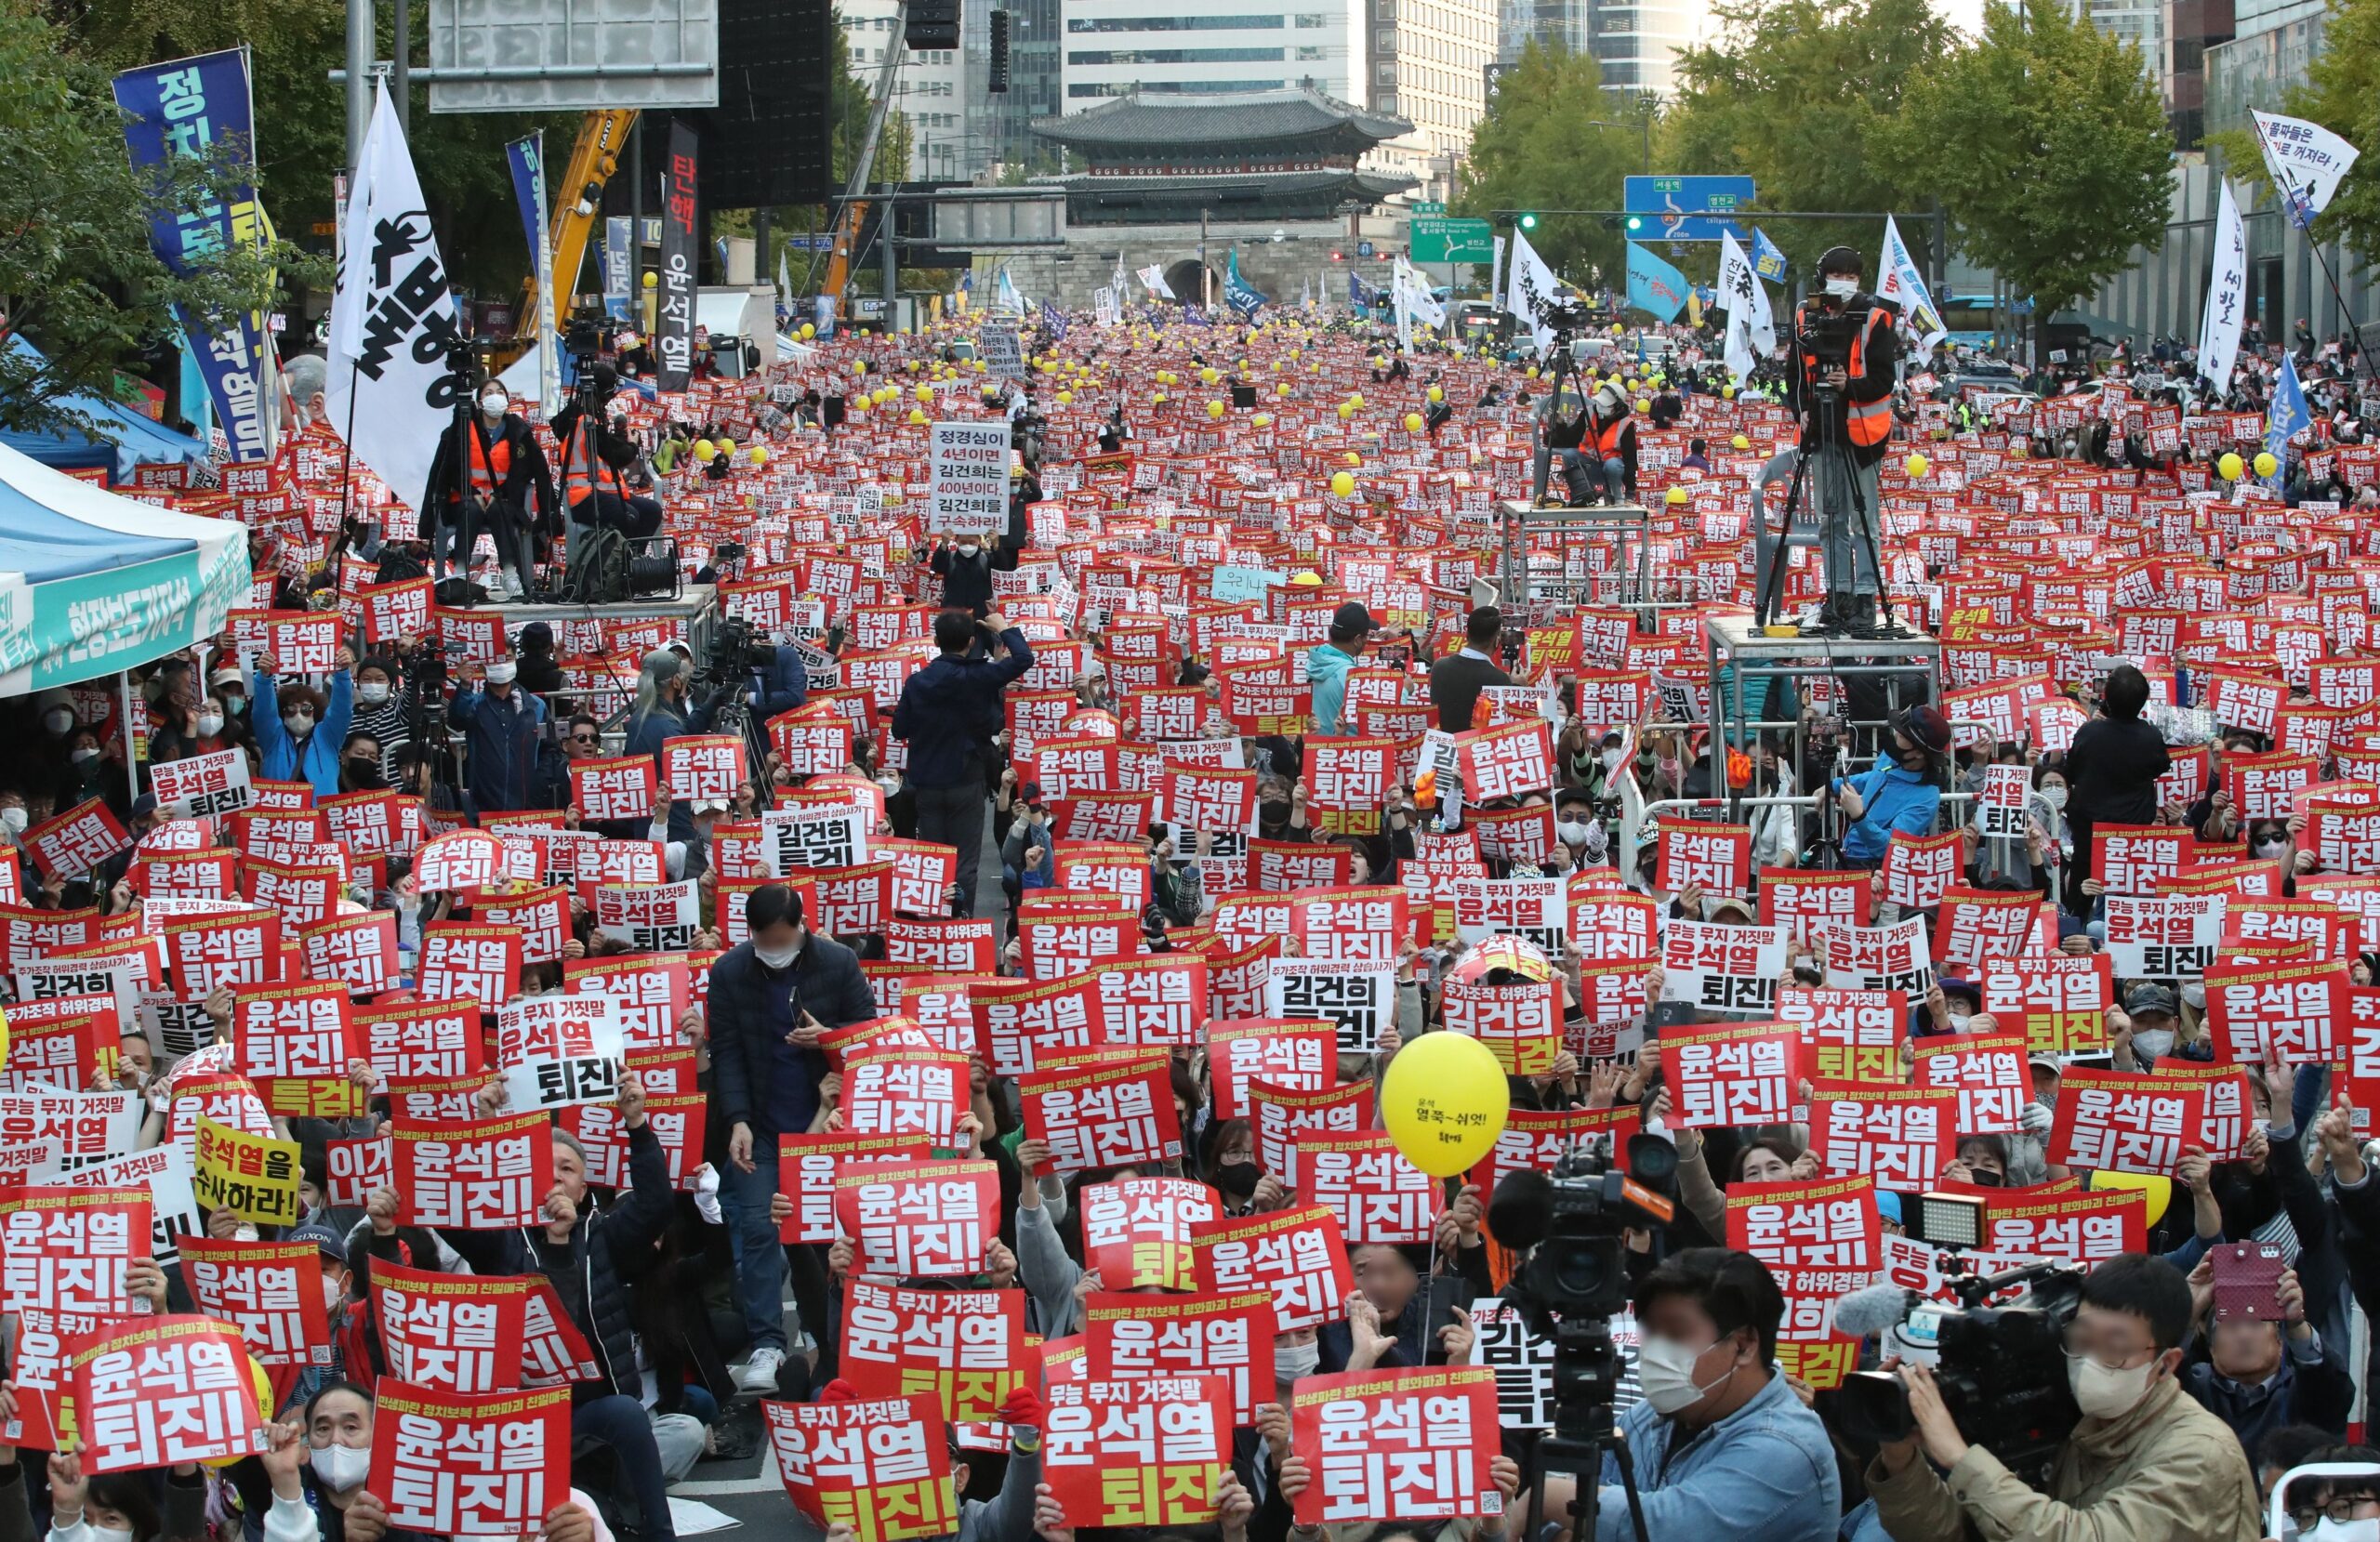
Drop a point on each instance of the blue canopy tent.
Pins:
(129, 439)
(92, 584)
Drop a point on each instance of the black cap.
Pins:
(1352, 617)
(2150, 998)
(1842, 260)
(537, 635)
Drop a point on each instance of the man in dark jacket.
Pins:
(665, 709)
(950, 712)
(2257, 1375)
(540, 671)
(578, 1250)
(2111, 770)
(503, 738)
(1457, 680)
(780, 684)
(771, 998)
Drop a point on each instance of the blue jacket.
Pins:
(783, 685)
(317, 759)
(825, 981)
(1326, 670)
(1893, 797)
(1764, 1473)
(950, 712)
(501, 743)
(645, 736)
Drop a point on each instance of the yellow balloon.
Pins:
(2229, 467)
(1262, 420)
(1210, 375)
(809, 330)
(760, 455)
(1281, 389)
(704, 450)
(925, 393)
(1352, 458)
(1214, 409)
(1344, 483)
(1346, 410)
(2157, 1186)
(1066, 399)
(1437, 394)
(1356, 401)
(917, 416)
(859, 366)
(1412, 423)
(1444, 1102)
(1727, 393)
(1643, 405)
(2264, 463)
(1918, 464)
(726, 446)
(1741, 441)
(1159, 399)
(1677, 495)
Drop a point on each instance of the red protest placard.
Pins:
(2059, 1001)
(1135, 1337)
(907, 1092)
(542, 917)
(1900, 1135)
(1800, 900)
(1520, 1023)
(468, 961)
(1714, 858)
(415, 1039)
(69, 1250)
(1348, 783)
(2134, 1122)
(360, 951)
(271, 1291)
(1297, 1258)
(2078, 1227)
(808, 1166)
(71, 844)
(1848, 1035)
(474, 1175)
(880, 1466)
(1113, 1110)
(964, 1349)
(919, 1218)
(649, 993)
(240, 947)
(1989, 1074)
(2294, 1011)
(1137, 1453)
(1977, 924)
(450, 1333)
(1505, 761)
(1286, 1053)
(296, 1044)
(157, 1391)
(1136, 1231)
(1367, 1182)
(2138, 859)
(1731, 1075)
(353, 1169)
(1402, 1444)
(1155, 1000)
(703, 767)
(451, 1465)
(1282, 1113)
(616, 787)
(1819, 1241)
(1918, 868)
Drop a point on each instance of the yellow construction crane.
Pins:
(578, 203)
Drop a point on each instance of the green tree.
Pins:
(2047, 145)
(2342, 92)
(78, 275)
(1537, 147)
(1790, 93)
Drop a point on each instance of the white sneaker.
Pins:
(759, 1373)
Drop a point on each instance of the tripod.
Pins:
(1583, 1431)
(1565, 371)
(1820, 440)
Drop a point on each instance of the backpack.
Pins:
(599, 568)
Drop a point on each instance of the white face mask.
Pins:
(968, 549)
(2328, 1530)
(1292, 1360)
(1571, 832)
(2273, 846)
(1610, 760)
(777, 959)
(298, 723)
(502, 674)
(14, 819)
(2194, 995)
(1665, 1371)
(2054, 797)
(59, 719)
(2154, 1044)
(109, 1534)
(1842, 288)
(339, 1467)
(2106, 1394)
(493, 403)
(372, 692)
(211, 724)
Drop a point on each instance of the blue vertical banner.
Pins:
(617, 281)
(1238, 294)
(185, 110)
(527, 159)
(2285, 417)
(1654, 285)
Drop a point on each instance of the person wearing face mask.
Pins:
(503, 737)
(665, 708)
(2145, 1463)
(384, 706)
(2269, 841)
(299, 728)
(2151, 1028)
(1902, 791)
(89, 773)
(1839, 384)
(1721, 1446)
(773, 997)
(965, 565)
(487, 472)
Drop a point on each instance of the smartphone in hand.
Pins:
(2247, 1281)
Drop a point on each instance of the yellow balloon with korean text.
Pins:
(1444, 1101)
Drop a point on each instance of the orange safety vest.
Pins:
(490, 464)
(1608, 438)
(581, 470)
(1868, 424)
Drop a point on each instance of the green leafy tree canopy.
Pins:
(1537, 147)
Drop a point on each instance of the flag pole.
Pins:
(2289, 189)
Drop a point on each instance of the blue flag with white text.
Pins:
(1767, 260)
(1654, 285)
(2286, 417)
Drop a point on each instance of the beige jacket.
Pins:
(2167, 1471)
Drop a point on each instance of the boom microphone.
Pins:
(1520, 1209)
(1877, 1309)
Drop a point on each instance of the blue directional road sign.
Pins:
(1682, 208)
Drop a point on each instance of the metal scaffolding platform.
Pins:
(1628, 527)
(1754, 662)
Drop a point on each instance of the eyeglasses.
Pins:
(582, 738)
(2341, 1510)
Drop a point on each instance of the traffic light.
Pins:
(1338, 257)
(1528, 222)
(1635, 223)
(999, 80)
(933, 24)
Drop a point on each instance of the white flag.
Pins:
(2307, 160)
(1153, 279)
(392, 318)
(1751, 326)
(1413, 294)
(1530, 290)
(2227, 292)
(1905, 286)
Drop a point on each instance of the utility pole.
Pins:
(359, 78)
(401, 76)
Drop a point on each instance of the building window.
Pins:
(1307, 52)
(1174, 56)
(1254, 23)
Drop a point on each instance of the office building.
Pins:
(1115, 49)
(1636, 42)
(1428, 63)
(2139, 22)
(929, 89)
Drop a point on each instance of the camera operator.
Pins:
(595, 454)
(950, 712)
(1844, 431)
(2146, 1464)
(505, 467)
(1611, 431)
(1722, 1446)
(663, 709)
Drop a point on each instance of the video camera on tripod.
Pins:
(1570, 1226)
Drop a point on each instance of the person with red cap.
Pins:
(1901, 792)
